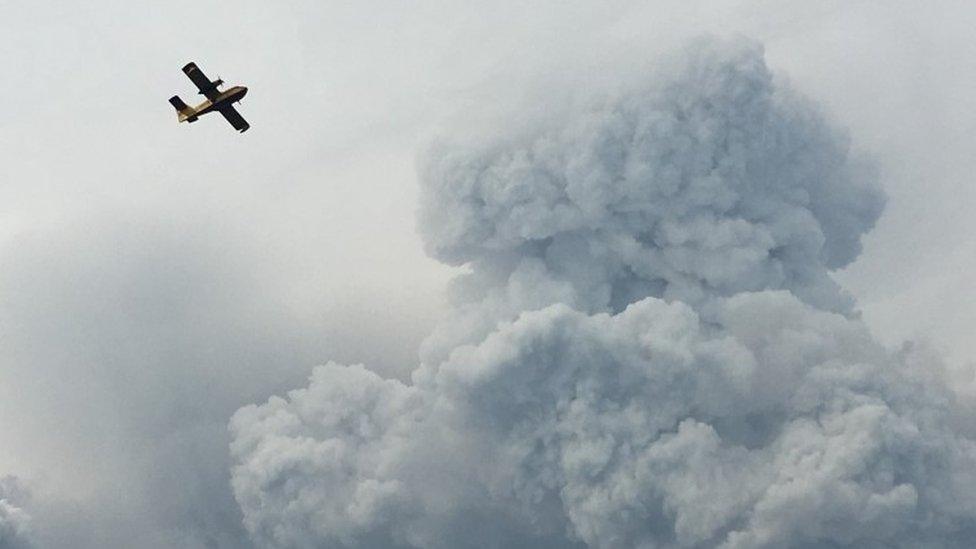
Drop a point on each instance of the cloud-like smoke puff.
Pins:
(15, 522)
(708, 182)
(648, 351)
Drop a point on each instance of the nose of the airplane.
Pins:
(243, 91)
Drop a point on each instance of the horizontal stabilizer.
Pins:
(183, 111)
(178, 103)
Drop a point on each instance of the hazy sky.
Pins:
(154, 277)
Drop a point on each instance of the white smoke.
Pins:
(708, 182)
(15, 522)
(648, 351)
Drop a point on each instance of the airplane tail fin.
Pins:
(183, 111)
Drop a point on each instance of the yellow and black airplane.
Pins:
(220, 101)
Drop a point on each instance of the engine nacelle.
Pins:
(212, 87)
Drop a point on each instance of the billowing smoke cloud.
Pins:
(15, 522)
(708, 182)
(127, 343)
(648, 350)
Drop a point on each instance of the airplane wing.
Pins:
(234, 118)
(206, 87)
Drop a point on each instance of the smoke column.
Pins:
(647, 351)
(15, 528)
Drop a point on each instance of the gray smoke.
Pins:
(15, 522)
(648, 350)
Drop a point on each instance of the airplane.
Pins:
(219, 101)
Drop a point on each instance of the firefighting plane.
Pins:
(219, 101)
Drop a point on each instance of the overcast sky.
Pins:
(156, 276)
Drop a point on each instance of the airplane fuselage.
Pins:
(226, 97)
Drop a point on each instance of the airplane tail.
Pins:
(183, 111)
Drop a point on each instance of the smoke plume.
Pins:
(647, 351)
(15, 522)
